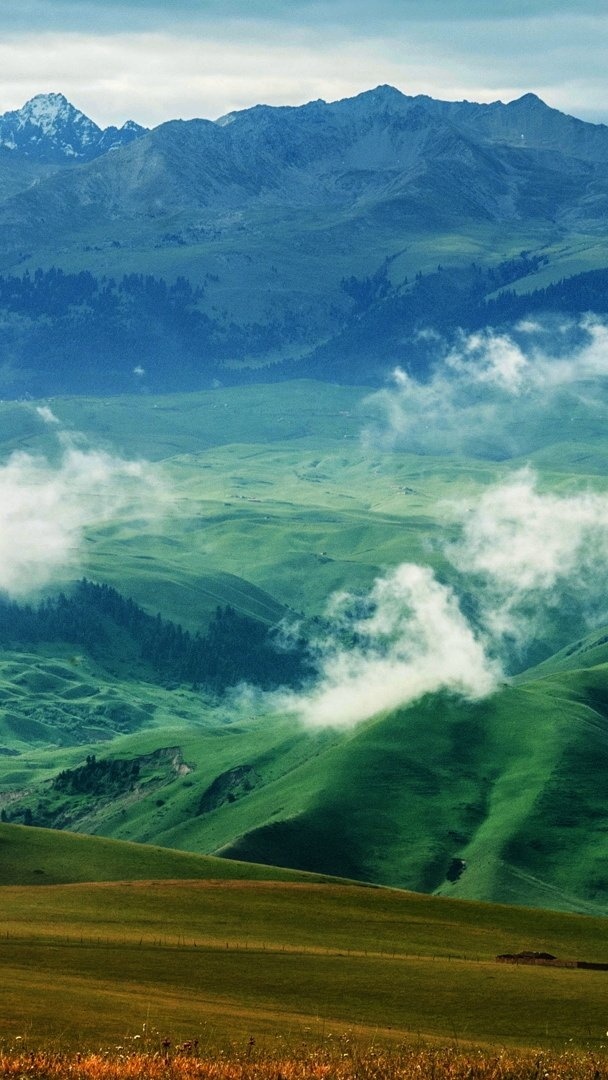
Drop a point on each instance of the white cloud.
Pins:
(500, 395)
(156, 77)
(414, 641)
(526, 548)
(46, 508)
(46, 414)
(523, 556)
(531, 563)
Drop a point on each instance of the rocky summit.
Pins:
(49, 129)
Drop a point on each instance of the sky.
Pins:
(156, 60)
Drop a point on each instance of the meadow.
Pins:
(286, 960)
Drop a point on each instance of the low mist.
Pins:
(414, 640)
(527, 569)
(498, 396)
(48, 503)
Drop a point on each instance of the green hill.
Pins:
(274, 503)
(497, 800)
(32, 856)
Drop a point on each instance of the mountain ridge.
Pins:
(271, 210)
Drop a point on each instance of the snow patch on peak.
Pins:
(49, 128)
(50, 112)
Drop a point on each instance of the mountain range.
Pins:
(313, 236)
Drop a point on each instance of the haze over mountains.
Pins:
(312, 237)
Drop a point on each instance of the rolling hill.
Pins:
(276, 506)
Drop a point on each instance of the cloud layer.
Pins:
(154, 62)
(46, 508)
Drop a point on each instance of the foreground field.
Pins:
(340, 1062)
(135, 963)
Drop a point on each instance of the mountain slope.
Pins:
(501, 800)
(278, 505)
(284, 218)
(381, 147)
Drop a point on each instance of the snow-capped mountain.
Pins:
(49, 129)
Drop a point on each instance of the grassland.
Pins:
(86, 965)
(274, 504)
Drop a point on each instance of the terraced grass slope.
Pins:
(135, 962)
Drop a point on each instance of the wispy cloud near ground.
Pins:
(414, 641)
(499, 395)
(46, 507)
(529, 562)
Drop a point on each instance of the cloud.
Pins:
(500, 395)
(528, 564)
(531, 565)
(413, 640)
(356, 14)
(154, 77)
(525, 552)
(46, 414)
(46, 508)
(154, 62)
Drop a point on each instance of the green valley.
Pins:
(269, 501)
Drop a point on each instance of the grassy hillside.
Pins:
(467, 800)
(499, 799)
(32, 856)
(223, 961)
(273, 503)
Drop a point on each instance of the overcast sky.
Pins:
(155, 60)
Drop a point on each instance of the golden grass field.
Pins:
(85, 966)
(342, 1061)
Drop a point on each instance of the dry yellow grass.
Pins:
(339, 1062)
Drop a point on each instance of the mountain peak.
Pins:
(530, 101)
(381, 95)
(53, 112)
(50, 129)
